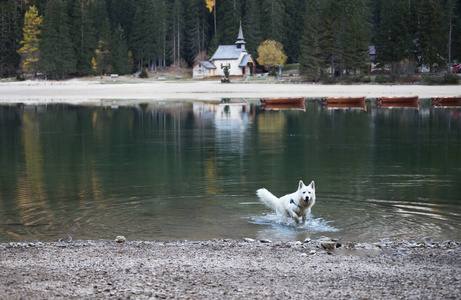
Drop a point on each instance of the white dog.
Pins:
(296, 205)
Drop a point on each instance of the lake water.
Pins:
(189, 171)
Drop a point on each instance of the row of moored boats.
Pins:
(409, 100)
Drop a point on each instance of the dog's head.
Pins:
(307, 193)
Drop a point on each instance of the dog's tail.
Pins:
(267, 198)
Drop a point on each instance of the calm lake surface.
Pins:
(189, 171)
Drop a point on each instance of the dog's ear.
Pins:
(312, 185)
(301, 184)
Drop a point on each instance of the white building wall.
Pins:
(234, 69)
(199, 71)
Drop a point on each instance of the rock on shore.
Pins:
(229, 269)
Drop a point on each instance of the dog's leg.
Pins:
(303, 219)
(293, 215)
(305, 214)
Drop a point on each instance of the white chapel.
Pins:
(237, 59)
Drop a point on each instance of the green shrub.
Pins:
(409, 79)
(144, 73)
(290, 67)
(451, 79)
(20, 77)
(327, 79)
(446, 79)
(366, 79)
(381, 79)
(430, 79)
(353, 79)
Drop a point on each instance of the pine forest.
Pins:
(65, 38)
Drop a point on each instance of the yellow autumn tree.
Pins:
(270, 53)
(210, 4)
(30, 53)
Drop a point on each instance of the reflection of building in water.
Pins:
(231, 116)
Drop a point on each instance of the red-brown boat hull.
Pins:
(344, 100)
(443, 100)
(298, 100)
(411, 99)
(399, 105)
(296, 106)
(345, 106)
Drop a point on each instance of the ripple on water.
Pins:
(312, 225)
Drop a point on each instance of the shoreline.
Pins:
(80, 91)
(231, 269)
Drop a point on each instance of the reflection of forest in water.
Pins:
(67, 168)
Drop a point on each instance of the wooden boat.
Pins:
(441, 100)
(402, 99)
(296, 106)
(344, 100)
(283, 100)
(399, 105)
(361, 106)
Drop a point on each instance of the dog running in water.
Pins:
(296, 205)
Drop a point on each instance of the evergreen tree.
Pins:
(431, 37)
(198, 30)
(356, 37)
(294, 20)
(394, 42)
(120, 58)
(229, 16)
(121, 12)
(451, 20)
(56, 48)
(331, 37)
(10, 29)
(456, 32)
(99, 14)
(374, 9)
(142, 36)
(83, 35)
(177, 38)
(310, 62)
(161, 24)
(272, 20)
(252, 26)
(30, 53)
(214, 44)
(103, 54)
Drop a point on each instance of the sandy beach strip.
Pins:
(90, 91)
(229, 269)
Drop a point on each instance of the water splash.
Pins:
(312, 225)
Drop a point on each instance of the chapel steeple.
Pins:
(240, 40)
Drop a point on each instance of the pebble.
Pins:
(120, 239)
(328, 245)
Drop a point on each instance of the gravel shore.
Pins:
(229, 269)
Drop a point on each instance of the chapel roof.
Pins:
(227, 52)
(231, 51)
(245, 60)
(207, 64)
